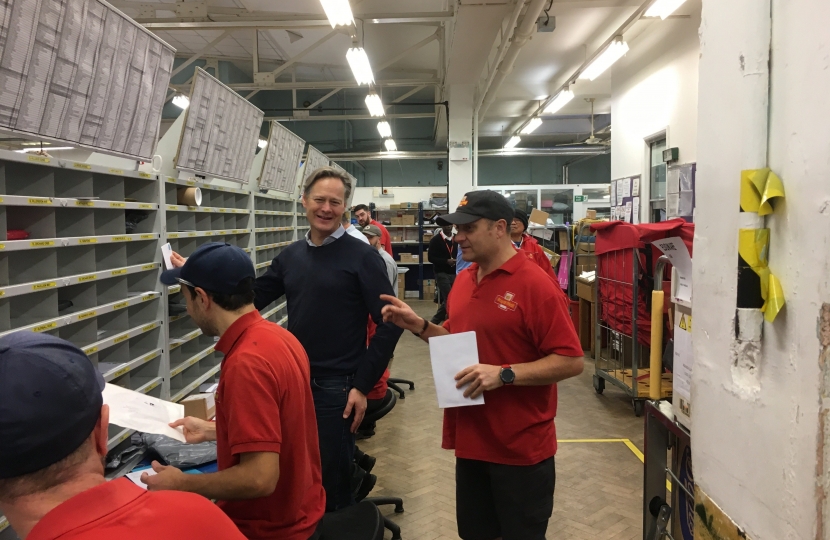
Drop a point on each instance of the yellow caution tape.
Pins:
(753, 246)
(758, 188)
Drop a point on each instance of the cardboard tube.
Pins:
(656, 360)
(191, 196)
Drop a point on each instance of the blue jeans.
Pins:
(336, 439)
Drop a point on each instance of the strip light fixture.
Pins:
(262, 143)
(359, 62)
(49, 148)
(615, 50)
(390, 145)
(338, 11)
(562, 98)
(375, 105)
(531, 126)
(181, 101)
(514, 140)
(384, 129)
(663, 8)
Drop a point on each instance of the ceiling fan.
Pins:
(592, 140)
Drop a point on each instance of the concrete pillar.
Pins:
(461, 130)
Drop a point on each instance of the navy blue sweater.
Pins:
(331, 291)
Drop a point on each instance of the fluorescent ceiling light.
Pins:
(384, 129)
(262, 143)
(663, 8)
(531, 126)
(390, 145)
(614, 52)
(359, 63)
(561, 99)
(374, 104)
(514, 140)
(338, 11)
(49, 148)
(181, 101)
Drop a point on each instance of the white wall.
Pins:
(654, 88)
(758, 440)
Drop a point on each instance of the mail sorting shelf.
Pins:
(88, 270)
(224, 216)
(302, 220)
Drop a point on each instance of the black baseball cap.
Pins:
(476, 205)
(215, 267)
(50, 401)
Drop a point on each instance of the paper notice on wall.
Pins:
(686, 204)
(678, 255)
(672, 204)
(635, 186)
(628, 206)
(683, 356)
(626, 188)
(613, 193)
(635, 210)
(620, 187)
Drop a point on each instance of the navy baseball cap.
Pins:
(50, 401)
(476, 205)
(215, 267)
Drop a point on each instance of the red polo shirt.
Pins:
(264, 404)
(519, 316)
(533, 251)
(385, 239)
(122, 510)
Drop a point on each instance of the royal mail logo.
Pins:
(506, 302)
(463, 201)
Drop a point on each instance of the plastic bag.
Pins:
(180, 455)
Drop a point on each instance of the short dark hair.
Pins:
(326, 172)
(231, 302)
(46, 478)
(360, 207)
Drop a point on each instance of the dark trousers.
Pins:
(444, 282)
(336, 440)
(510, 502)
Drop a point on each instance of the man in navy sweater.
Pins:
(333, 282)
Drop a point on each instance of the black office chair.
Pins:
(389, 404)
(393, 384)
(362, 521)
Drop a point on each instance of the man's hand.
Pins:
(177, 260)
(196, 430)
(166, 478)
(479, 379)
(357, 401)
(400, 314)
(451, 262)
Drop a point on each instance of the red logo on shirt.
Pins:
(506, 302)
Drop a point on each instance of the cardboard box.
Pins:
(586, 248)
(591, 214)
(408, 219)
(586, 289)
(538, 217)
(411, 294)
(564, 240)
(396, 220)
(426, 257)
(396, 238)
(410, 235)
(200, 405)
(428, 237)
(409, 205)
(394, 206)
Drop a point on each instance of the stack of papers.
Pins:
(589, 276)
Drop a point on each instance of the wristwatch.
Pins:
(506, 374)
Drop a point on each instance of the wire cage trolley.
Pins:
(625, 278)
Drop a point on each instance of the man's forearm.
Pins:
(234, 483)
(548, 370)
(377, 355)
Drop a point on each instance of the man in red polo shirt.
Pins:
(269, 480)
(53, 440)
(364, 217)
(504, 448)
(528, 245)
